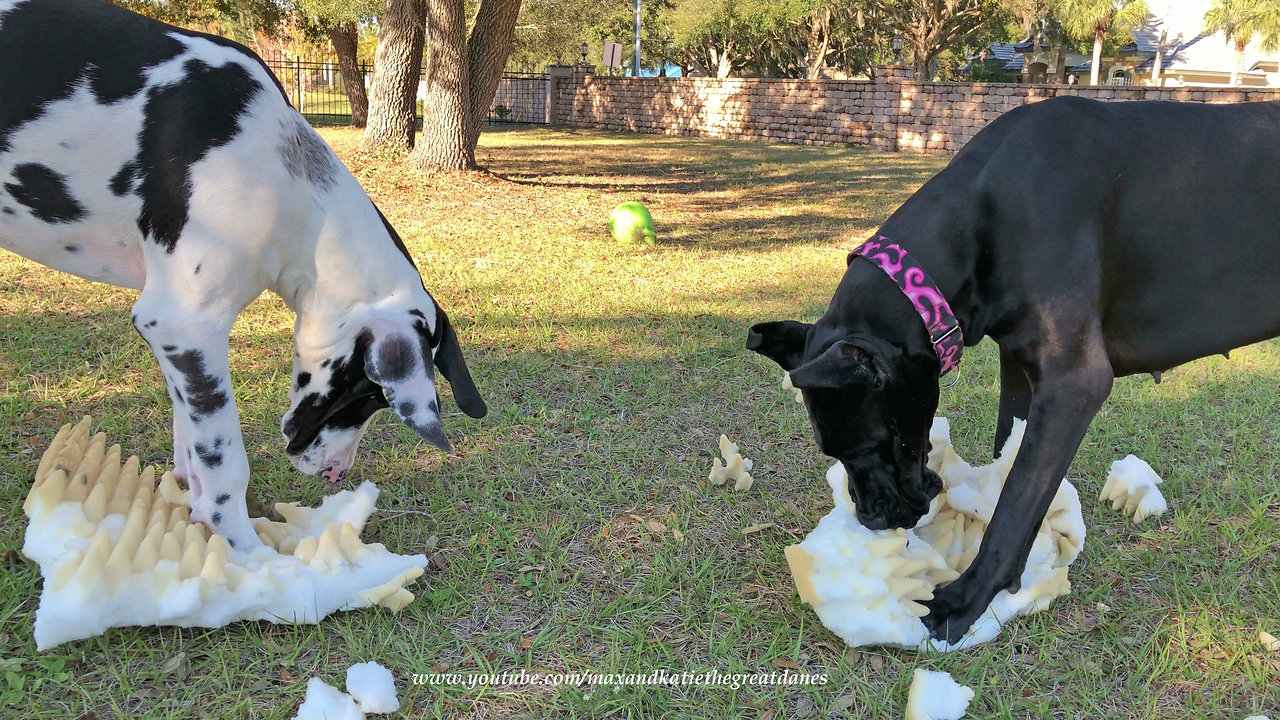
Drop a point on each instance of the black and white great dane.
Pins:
(169, 161)
(1089, 240)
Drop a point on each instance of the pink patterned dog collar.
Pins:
(915, 283)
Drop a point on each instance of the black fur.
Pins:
(1086, 258)
(183, 122)
(210, 456)
(44, 192)
(205, 393)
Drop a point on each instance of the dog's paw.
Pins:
(952, 611)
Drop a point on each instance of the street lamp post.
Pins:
(897, 48)
(635, 56)
(584, 53)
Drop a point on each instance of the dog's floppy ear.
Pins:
(448, 357)
(782, 342)
(848, 362)
(398, 359)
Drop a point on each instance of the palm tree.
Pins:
(1232, 19)
(1262, 18)
(1099, 18)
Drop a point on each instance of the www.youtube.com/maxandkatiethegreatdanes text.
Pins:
(710, 678)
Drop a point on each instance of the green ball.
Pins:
(631, 224)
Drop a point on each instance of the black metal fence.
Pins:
(521, 98)
(316, 88)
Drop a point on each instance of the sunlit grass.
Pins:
(610, 372)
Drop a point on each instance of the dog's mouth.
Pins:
(349, 410)
(882, 505)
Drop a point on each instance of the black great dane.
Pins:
(169, 161)
(1089, 240)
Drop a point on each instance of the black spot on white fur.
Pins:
(72, 248)
(210, 456)
(216, 518)
(221, 499)
(306, 156)
(121, 183)
(204, 391)
(304, 379)
(395, 360)
(44, 192)
(184, 121)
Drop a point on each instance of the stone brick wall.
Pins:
(891, 112)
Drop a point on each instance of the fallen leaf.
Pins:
(767, 715)
(526, 642)
(176, 665)
(785, 663)
(805, 708)
(756, 528)
(656, 526)
(844, 702)
(675, 533)
(440, 667)
(438, 561)
(286, 676)
(491, 655)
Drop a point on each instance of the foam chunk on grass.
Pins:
(117, 548)
(869, 586)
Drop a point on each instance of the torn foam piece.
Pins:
(326, 702)
(1269, 641)
(373, 688)
(868, 586)
(1131, 485)
(116, 548)
(935, 695)
(786, 385)
(735, 467)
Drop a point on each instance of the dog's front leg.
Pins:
(1064, 403)
(1015, 397)
(192, 349)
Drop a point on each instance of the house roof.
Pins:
(1187, 47)
(1003, 54)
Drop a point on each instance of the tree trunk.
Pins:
(724, 63)
(488, 47)
(818, 41)
(444, 134)
(1158, 67)
(397, 62)
(462, 76)
(344, 38)
(1094, 68)
(1235, 68)
(922, 61)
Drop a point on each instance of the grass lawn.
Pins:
(610, 373)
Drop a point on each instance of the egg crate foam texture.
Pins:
(116, 548)
(868, 586)
(1132, 487)
(735, 467)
